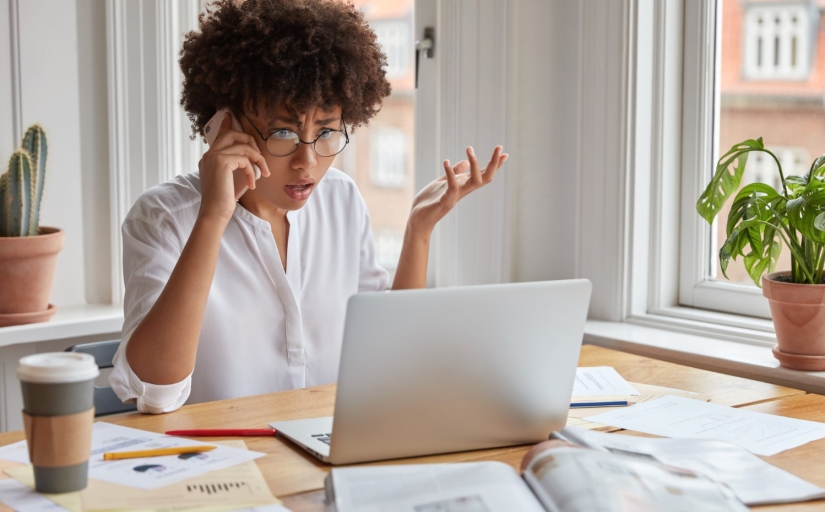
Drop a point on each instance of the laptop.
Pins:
(450, 369)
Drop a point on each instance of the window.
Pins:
(788, 115)
(776, 40)
(379, 157)
(395, 38)
(388, 248)
(388, 151)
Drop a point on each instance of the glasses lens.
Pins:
(330, 143)
(282, 142)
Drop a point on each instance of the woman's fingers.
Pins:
(238, 162)
(461, 167)
(496, 161)
(475, 170)
(493, 164)
(449, 172)
(232, 137)
(255, 156)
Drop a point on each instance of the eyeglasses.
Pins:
(283, 142)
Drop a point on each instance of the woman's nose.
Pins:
(304, 157)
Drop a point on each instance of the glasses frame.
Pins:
(300, 141)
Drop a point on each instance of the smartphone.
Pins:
(210, 131)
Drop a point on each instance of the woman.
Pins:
(255, 291)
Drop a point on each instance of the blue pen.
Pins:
(599, 404)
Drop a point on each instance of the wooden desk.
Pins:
(291, 473)
(805, 461)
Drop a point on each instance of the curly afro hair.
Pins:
(296, 54)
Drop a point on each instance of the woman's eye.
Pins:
(283, 134)
(326, 135)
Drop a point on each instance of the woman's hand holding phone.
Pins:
(231, 151)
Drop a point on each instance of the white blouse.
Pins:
(264, 329)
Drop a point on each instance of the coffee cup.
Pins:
(58, 412)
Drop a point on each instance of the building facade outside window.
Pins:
(778, 40)
(772, 85)
(388, 247)
(394, 37)
(388, 149)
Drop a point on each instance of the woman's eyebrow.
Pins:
(287, 120)
(296, 122)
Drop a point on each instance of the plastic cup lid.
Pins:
(57, 367)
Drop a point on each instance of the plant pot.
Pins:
(27, 266)
(798, 312)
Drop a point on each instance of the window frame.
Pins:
(701, 108)
(673, 107)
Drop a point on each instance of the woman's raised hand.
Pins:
(231, 150)
(439, 197)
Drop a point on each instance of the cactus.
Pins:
(34, 142)
(21, 187)
(4, 184)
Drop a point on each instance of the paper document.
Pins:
(15, 452)
(20, 497)
(600, 381)
(647, 392)
(754, 481)
(147, 472)
(240, 487)
(673, 416)
(468, 486)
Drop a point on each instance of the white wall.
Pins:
(546, 143)
(49, 96)
(573, 84)
(94, 149)
(7, 143)
(55, 51)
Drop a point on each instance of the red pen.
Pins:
(218, 432)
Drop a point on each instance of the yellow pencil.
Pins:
(157, 452)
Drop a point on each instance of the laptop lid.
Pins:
(453, 369)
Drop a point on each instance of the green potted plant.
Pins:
(760, 222)
(28, 251)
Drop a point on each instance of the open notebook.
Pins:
(608, 472)
(558, 480)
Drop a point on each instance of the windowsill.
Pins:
(69, 322)
(730, 357)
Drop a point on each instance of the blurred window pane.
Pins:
(389, 156)
(388, 247)
(380, 156)
(394, 37)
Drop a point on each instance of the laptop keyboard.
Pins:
(324, 438)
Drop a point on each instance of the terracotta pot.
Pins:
(798, 312)
(27, 266)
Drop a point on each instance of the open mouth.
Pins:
(299, 192)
